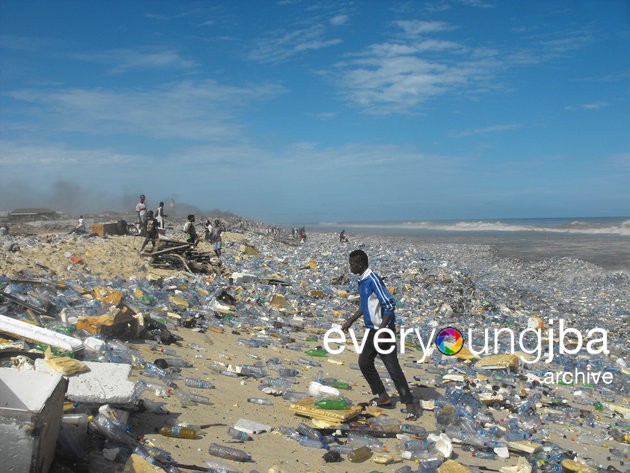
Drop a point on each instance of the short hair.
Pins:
(161, 204)
(361, 256)
(191, 217)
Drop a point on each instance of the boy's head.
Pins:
(359, 262)
(191, 218)
(150, 213)
(161, 204)
(142, 198)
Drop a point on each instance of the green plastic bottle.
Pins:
(333, 404)
(317, 352)
(341, 385)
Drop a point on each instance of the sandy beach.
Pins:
(434, 285)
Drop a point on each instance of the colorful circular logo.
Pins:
(449, 341)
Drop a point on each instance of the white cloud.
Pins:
(339, 20)
(487, 130)
(283, 45)
(197, 110)
(418, 27)
(124, 60)
(397, 76)
(587, 106)
(418, 64)
(48, 157)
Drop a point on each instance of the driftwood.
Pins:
(176, 255)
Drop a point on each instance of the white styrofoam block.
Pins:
(30, 417)
(32, 332)
(104, 383)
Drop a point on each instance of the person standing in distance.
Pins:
(141, 209)
(159, 216)
(377, 309)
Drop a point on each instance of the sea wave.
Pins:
(576, 226)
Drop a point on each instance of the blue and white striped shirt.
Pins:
(376, 300)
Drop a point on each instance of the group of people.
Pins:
(150, 224)
(212, 233)
(299, 234)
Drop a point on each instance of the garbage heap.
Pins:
(108, 352)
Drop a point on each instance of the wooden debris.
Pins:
(176, 255)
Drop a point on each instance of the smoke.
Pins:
(73, 199)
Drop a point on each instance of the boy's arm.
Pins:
(385, 320)
(348, 323)
(388, 305)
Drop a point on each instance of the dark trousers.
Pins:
(366, 363)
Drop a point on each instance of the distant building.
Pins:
(32, 215)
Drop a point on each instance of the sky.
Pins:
(318, 111)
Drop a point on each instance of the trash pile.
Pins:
(239, 344)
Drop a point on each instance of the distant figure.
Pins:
(302, 235)
(159, 216)
(4, 230)
(342, 237)
(80, 228)
(152, 231)
(141, 209)
(207, 230)
(190, 231)
(215, 236)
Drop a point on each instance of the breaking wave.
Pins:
(587, 227)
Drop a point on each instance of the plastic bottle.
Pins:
(238, 434)
(177, 432)
(385, 424)
(154, 407)
(308, 431)
(215, 466)
(317, 352)
(187, 398)
(416, 430)
(228, 453)
(178, 362)
(304, 361)
(312, 443)
(342, 385)
(360, 454)
(294, 396)
(417, 445)
(229, 374)
(333, 404)
(112, 430)
(261, 401)
(288, 372)
(318, 389)
(198, 383)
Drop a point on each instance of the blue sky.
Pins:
(298, 111)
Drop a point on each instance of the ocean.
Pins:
(601, 241)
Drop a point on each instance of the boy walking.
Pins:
(151, 232)
(377, 309)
